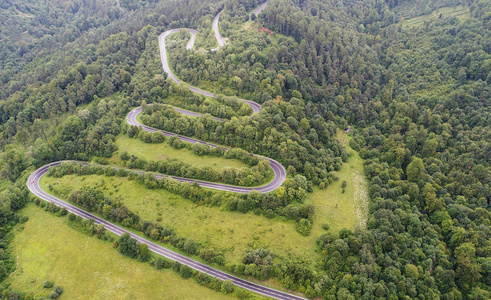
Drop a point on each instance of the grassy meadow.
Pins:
(88, 268)
(459, 12)
(213, 227)
(234, 232)
(337, 209)
(164, 151)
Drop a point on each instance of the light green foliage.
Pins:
(415, 170)
(414, 93)
(468, 271)
(412, 271)
(342, 210)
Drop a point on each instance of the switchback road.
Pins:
(256, 107)
(279, 171)
(220, 40)
(33, 185)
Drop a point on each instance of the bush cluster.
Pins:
(285, 202)
(255, 175)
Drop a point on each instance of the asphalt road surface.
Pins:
(278, 169)
(260, 8)
(256, 107)
(220, 40)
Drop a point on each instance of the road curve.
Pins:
(131, 118)
(33, 185)
(256, 107)
(220, 40)
(278, 169)
(261, 7)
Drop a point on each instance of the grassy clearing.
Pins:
(213, 227)
(178, 101)
(232, 232)
(247, 25)
(88, 268)
(4, 184)
(459, 12)
(337, 209)
(164, 151)
(205, 38)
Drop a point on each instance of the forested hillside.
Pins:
(411, 79)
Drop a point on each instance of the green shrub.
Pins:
(304, 227)
(59, 290)
(227, 287)
(185, 271)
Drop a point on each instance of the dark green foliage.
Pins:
(190, 246)
(417, 101)
(161, 263)
(124, 156)
(59, 290)
(12, 198)
(128, 245)
(258, 263)
(88, 198)
(3, 270)
(185, 271)
(279, 203)
(143, 253)
(422, 132)
(245, 133)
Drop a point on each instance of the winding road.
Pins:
(260, 8)
(33, 185)
(221, 41)
(278, 169)
(256, 107)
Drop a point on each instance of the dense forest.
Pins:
(419, 103)
(416, 98)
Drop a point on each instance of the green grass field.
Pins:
(352, 205)
(157, 152)
(213, 227)
(178, 101)
(459, 12)
(4, 184)
(88, 268)
(232, 232)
